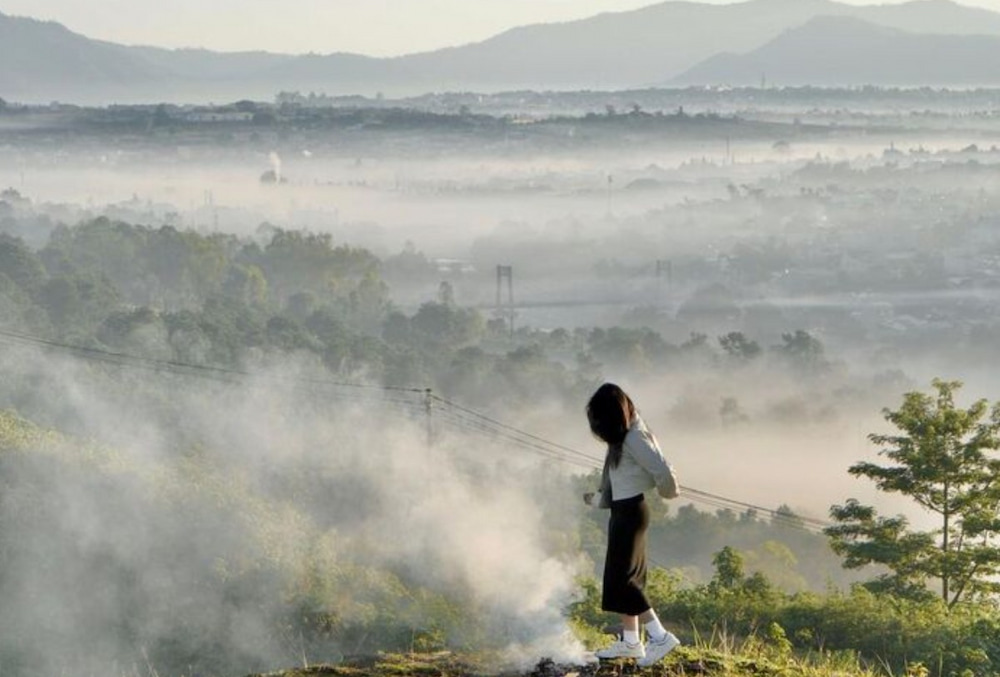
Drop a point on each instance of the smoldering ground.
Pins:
(192, 526)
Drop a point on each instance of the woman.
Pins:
(633, 464)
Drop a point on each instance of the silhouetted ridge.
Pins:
(644, 47)
(836, 51)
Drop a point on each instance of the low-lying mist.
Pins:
(267, 398)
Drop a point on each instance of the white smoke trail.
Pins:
(276, 166)
(456, 519)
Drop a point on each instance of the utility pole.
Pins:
(429, 413)
(506, 272)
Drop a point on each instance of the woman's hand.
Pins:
(588, 498)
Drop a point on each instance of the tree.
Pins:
(738, 347)
(446, 293)
(77, 301)
(245, 284)
(625, 346)
(728, 564)
(441, 325)
(731, 413)
(944, 459)
(803, 351)
(20, 264)
(295, 261)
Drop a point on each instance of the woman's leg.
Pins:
(630, 626)
(630, 629)
(651, 621)
(625, 574)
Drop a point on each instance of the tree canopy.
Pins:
(944, 458)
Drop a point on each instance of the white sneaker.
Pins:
(656, 650)
(622, 649)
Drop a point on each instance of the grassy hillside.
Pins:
(160, 560)
(179, 561)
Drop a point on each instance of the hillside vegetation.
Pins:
(211, 464)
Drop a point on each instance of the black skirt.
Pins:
(625, 563)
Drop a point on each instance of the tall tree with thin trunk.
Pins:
(944, 458)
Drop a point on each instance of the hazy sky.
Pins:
(375, 27)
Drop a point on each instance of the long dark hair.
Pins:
(610, 412)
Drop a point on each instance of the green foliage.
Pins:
(227, 301)
(729, 573)
(635, 349)
(20, 264)
(943, 459)
(439, 325)
(77, 300)
(409, 266)
(296, 261)
(839, 633)
(886, 632)
(793, 558)
(803, 351)
(246, 284)
(15, 305)
(779, 640)
(864, 538)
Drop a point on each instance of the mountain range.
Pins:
(789, 42)
(841, 51)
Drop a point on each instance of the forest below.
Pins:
(243, 542)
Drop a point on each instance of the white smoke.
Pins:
(275, 166)
(456, 518)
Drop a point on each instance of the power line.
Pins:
(472, 425)
(485, 424)
(690, 493)
(135, 360)
(449, 412)
(517, 431)
(523, 437)
(749, 506)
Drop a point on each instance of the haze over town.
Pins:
(300, 305)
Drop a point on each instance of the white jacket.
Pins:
(641, 468)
